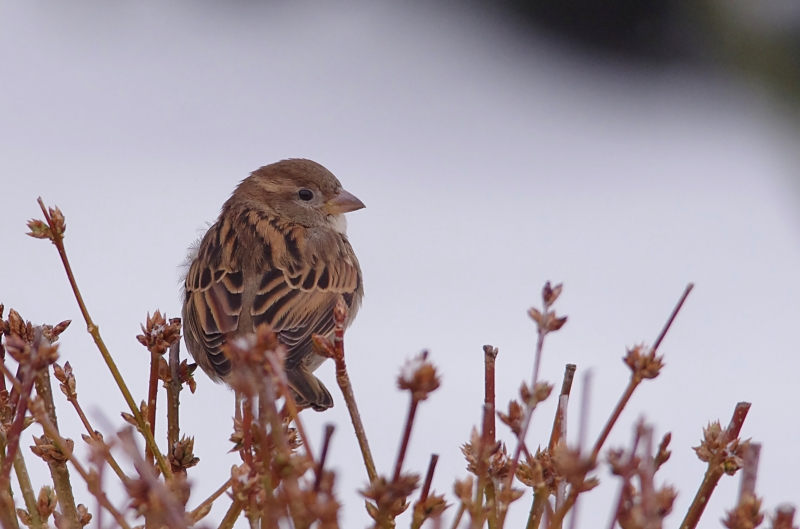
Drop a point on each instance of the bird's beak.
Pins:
(344, 202)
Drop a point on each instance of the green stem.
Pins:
(58, 241)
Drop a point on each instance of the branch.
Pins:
(56, 235)
(715, 469)
(174, 388)
(58, 469)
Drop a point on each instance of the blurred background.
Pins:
(624, 148)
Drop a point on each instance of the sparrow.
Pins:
(277, 256)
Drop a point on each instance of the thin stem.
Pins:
(626, 477)
(58, 469)
(671, 318)
(647, 470)
(174, 388)
(556, 434)
(526, 420)
(488, 436)
(747, 486)
(94, 331)
(28, 378)
(489, 361)
(566, 388)
(458, 516)
(247, 426)
(784, 517)
(426, 488)
(291, 406)
(194, 515)
(62, 446)
(326, 441)
(558, 517)
(419, 516)
(232, 515)
(93, 434)
(537, 508)
(28, 493)
(633, 383)
(401, 455)
(343, 379)
(152, 401)
(715, 469)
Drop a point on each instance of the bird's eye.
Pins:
(305, 194)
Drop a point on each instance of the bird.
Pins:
(277, 256)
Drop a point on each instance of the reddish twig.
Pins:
(174, 387)
(56, 235)
(490, 358)
(401, 454)
(747, 486)
(194, 515)
(784, 517)
(152, 399)
(635, 381)
(326, 441)
(335, 350)
(566, 387)
(488, 435)
(715, 469)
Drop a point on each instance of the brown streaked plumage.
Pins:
(278, 256)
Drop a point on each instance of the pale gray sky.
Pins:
(489, 162)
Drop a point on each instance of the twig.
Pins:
(232, 515)
(419, 515)
(488, 436)
(57, 238)
(715, 469)
(426, 488)
(94, 435)
(343, 379)
(247, 426)
(195, 513)
(537, 509)
(326, 441)
(62, 446)
(747, 486)
(784, 517)
(489, 360)
(526, 420)
(672, 316)
(646, 475)
(458, 516)
(28, 494)
(152, 401)
(28, 377)
(566, 388)
(58, 469)
(583, 430)
(627, 476)
(174, 515)
(174, 388)
(556, 434)
(401, 454)
(635, 381)
(277, 370)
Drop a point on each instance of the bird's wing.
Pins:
(296, 297)
(213, 294)
(297, 287)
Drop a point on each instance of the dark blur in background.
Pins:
(624, 147)
(757, 39)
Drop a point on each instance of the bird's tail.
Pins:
(309, 391)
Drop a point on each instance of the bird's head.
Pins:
(298, 190)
